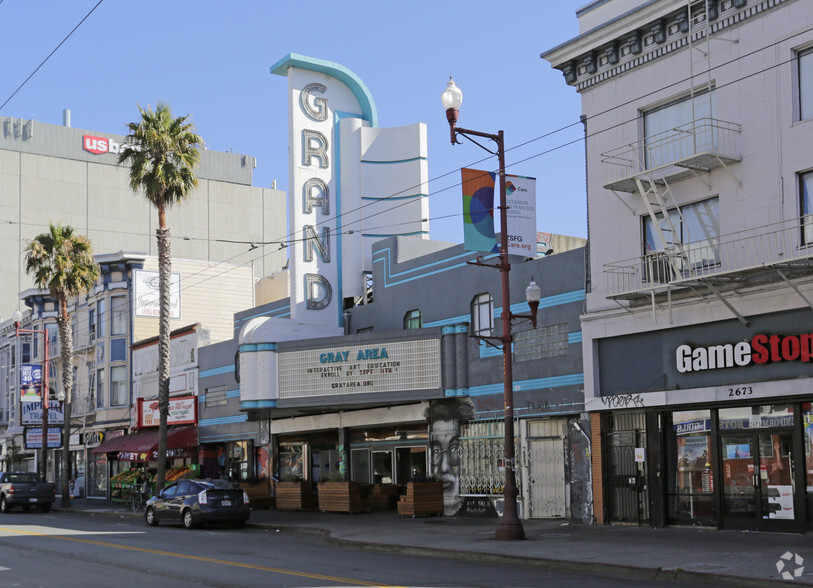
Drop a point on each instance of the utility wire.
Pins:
(20, 87)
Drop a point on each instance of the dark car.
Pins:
(193, 502)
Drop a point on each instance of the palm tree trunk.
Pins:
(66, 355)
(164, 276)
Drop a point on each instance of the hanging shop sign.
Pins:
(31, 413)
(33, 437)
(761, 349)
(357, 369)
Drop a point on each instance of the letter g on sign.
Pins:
(320, 112)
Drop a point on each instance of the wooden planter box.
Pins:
(422, 499)
(259, 493)
(295, 496)
(383, 496)
(341, 497)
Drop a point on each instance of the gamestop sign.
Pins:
(761, 349)
(99, 145)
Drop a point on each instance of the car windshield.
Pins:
(216, 484)
(22, 477)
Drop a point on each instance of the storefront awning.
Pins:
(143, 446)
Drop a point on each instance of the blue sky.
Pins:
(211, 60)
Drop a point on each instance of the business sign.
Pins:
(30, 382)
(31, 413)
(101, 145)
(478, 212)
(182, 411)
(146, 288)
(395, 366)
(33, 437)
(760, 349)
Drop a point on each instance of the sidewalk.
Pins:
(733, 558)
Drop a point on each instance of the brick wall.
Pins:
(598, 489)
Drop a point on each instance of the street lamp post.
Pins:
(509, 526)
(17, 317)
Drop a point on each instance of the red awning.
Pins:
(143, 446)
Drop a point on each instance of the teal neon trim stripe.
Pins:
(216, 371)
(252, 347)
(229, 394)
(252, 404)
(239, 418)
(385, 198)
(383, 256)
(393, 161)
(536, 384)
(518, 308)
(282, 311)
(574, 338)
(334, 70)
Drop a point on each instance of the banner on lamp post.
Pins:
(30, 382)
(478, 212)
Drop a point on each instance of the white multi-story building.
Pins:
(698, 330)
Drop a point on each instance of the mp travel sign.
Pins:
(358, 369)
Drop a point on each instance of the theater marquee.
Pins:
(396, 366)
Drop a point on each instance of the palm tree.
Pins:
(62, 262)
(162, 152)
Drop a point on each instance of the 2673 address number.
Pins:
(741, 391)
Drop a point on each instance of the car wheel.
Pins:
(4, 505)
(187, 519)
(26, 508)
(45, 507)
(149, 516)
(240, 524)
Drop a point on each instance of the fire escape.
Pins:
(684, 265)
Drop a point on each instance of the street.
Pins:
(66, 550)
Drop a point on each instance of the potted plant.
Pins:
(294, 493)
(339, 495)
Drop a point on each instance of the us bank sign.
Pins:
(343, 170)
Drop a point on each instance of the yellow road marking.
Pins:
(203, 559)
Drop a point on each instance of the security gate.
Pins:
(546, 478)
(627, 493)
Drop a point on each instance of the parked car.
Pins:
(24, 489)
(193, 502)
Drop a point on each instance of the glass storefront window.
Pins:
(291, 461)
(768, 416)
(690, 476)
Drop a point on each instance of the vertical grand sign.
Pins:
(320, 95)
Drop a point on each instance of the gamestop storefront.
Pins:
(709, 424)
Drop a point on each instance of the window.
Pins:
(482, 315)
(92, 324)
(806, 84)
(118, 315)
(542, 342)
(100, 388)
(806, 206)
(412, 319)
(118, 349)
(100, 317)
(118, 385)
(696, 229)
(215, 396)
(664, 144)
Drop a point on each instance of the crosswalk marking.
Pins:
(20, 530)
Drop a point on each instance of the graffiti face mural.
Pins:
(445, 418)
